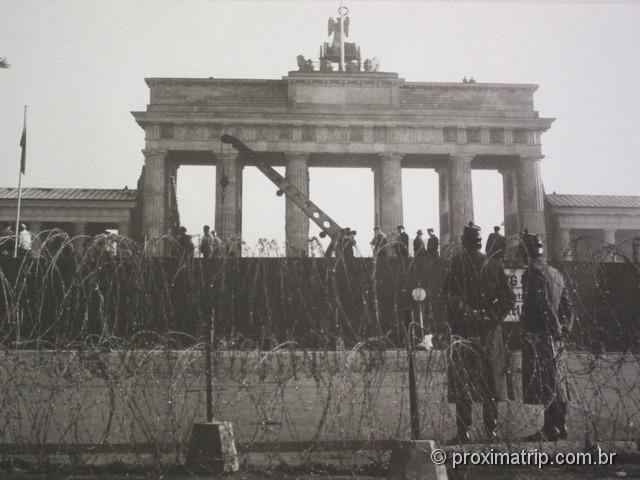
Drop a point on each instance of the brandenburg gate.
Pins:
(355, 117)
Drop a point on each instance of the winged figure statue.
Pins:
(334, 27)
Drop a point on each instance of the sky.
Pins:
(80, 67)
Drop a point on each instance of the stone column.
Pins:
(389, 192)
(563, 244)
(510, 206)
(376, 195)
(510, 201)
(124, 229)
(460, 194)
(609, 238)
(531, 196)
(296, 221)
(80, 228)
(154, 200)
(228, 221)
(443, 204)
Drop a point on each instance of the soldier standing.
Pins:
(351, 244)
(184, 240)
(478, 297)
(402, 242)
(418, 245)
(346, 243)
(547, 318)
(433, 243)
(496, 244)
(206, 242)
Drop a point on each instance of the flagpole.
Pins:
(341, 37)
(15, 246)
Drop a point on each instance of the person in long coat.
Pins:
(419, 249)
(496, 244)
(546, 319)
(433, 244)
(478, 296)
(206, 242)
(402, 242)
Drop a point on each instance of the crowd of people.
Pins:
(28, 243)
(382, 245)
(209, 244)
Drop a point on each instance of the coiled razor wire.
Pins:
(103, 353)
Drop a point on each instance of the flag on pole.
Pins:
(23, 145)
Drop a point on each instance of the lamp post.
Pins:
(419, 294)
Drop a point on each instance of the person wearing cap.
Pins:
(206, 242)
(496, 244)
(546, 319)
(379, 242)
(419, 250)
(347, 242)
(402, 242)
(433, 243)
(478, 296)
(184, 240)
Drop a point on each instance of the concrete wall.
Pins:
(152, 397)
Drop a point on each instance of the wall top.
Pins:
(342, 76)
(336, 77)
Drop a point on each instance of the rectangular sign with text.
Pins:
(515, 280)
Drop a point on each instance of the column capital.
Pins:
(391, 155)
(227, 154)
(148, 153)
(297, 155)
(462, 157)
(506, 170)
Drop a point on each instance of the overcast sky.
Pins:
(80, 66)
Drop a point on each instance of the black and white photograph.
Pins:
(319, 239)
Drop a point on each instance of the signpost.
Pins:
(515, 279)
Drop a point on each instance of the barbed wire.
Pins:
(102, 349)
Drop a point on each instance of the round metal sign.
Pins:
(419, 294)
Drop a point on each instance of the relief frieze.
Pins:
(356, 134)
(308, 134)
(263, 133)
(335, 134)
(379, 134)
(285, 133)
(341, 134)
(400, 135)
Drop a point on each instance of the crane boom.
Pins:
(322, 220)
